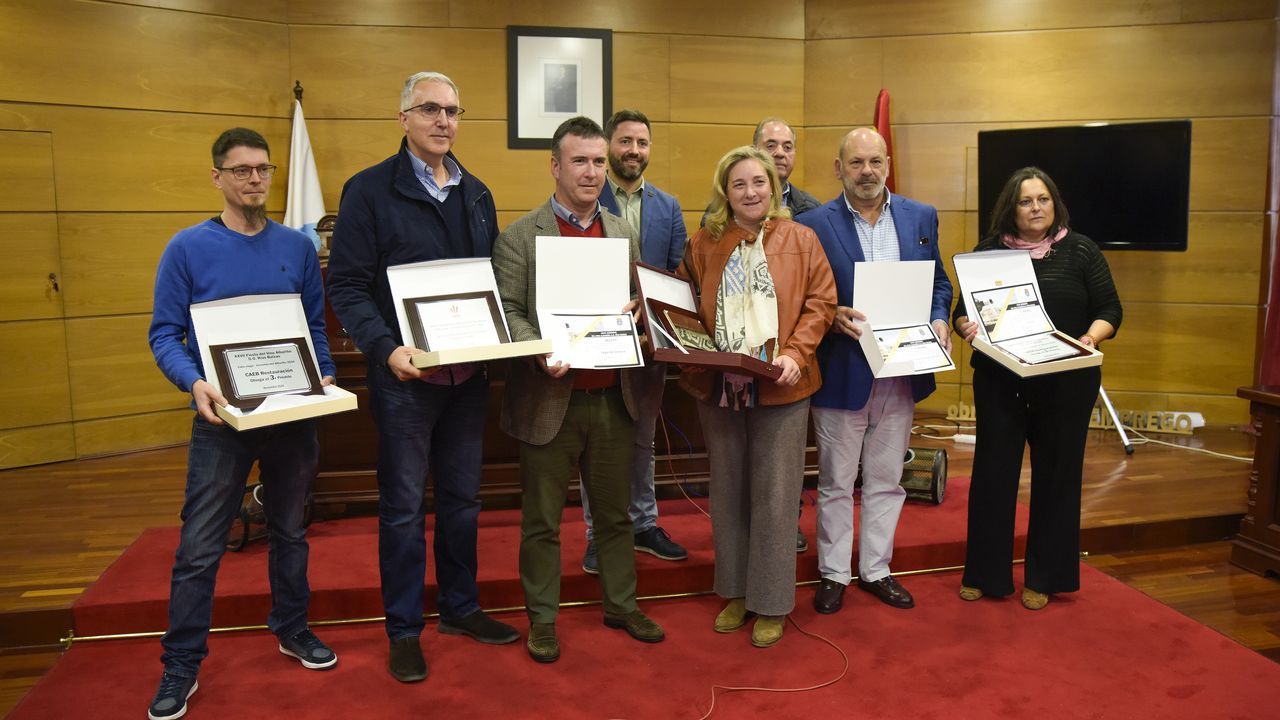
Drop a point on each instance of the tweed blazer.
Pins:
(534, 404)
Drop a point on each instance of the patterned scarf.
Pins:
(1038, 249)
(746, 316)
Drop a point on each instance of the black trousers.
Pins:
(1050, 413)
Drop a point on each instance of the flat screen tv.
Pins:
(1125, 185)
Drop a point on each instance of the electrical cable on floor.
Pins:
(671, 466)
(729, 688)
(1144, 440)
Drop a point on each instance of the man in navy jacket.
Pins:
(662, 236)
(419, 204)
(855, 416)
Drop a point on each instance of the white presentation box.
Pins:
(451, 310)
(1001, 294)
(676, 333)
(897, 338)
(583, 284)
(257, 352)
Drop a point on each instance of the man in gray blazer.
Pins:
(563, 416)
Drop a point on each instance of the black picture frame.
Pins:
(564, 79)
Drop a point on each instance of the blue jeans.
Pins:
(218, 463)
(644, 502)
(421, 427)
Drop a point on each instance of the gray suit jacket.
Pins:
(534, 404)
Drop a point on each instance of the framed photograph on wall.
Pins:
(554, 74)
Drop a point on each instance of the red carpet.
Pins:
(132, 595)
(1106, 652)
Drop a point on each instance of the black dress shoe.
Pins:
(890, 591)
(829, 598)
(479, 626)
(407, 664)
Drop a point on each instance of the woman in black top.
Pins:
(1048, 412)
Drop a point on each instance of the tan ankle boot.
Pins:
(767, 630)
(733, 616)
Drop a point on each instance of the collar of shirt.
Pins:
(618, 192)
(786, 194)
(888, 196)
(563, 213)
(428, 179)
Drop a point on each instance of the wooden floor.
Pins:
(61, 525)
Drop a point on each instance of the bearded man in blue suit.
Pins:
(856, 417)
(656, 216)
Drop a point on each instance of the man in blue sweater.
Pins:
(239, 252)
(419, 204)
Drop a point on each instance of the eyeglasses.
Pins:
(431, 111)
(242, 172)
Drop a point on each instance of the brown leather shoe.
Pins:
(829, 598)
(637, 625)
(890, 591)
(543, 645)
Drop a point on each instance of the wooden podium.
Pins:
(1257, 546)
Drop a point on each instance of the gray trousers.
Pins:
(757, 469)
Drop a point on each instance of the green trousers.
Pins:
(597, 434)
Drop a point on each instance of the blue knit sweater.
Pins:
(212, 262)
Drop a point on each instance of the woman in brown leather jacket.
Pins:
(766, 290)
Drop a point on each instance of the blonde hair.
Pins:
(719, 214)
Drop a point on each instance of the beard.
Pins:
(255, 214)
(864, 192)
(622, 171)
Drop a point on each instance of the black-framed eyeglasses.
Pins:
(431, 111)
(242, 172)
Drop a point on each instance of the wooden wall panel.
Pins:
(1209, 69)
(33, 374)
(29, 245)
(358, 72)
(1205, 349)
(265, 10)
(109, 259)
(734, 18)
(36, 445)
(126, 160)
(642, 74)
(1221, 265)
(842, 79)
(737, 80)
(113, 371)
(384, 12)
(133, 432)
(26, 172)
(878, 18)
(80, 53)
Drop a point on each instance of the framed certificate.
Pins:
(250, 372)
(897, 338)
(599, 342)
(451, 310)
(1000, 293)
(668, 309)
(453, 322)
